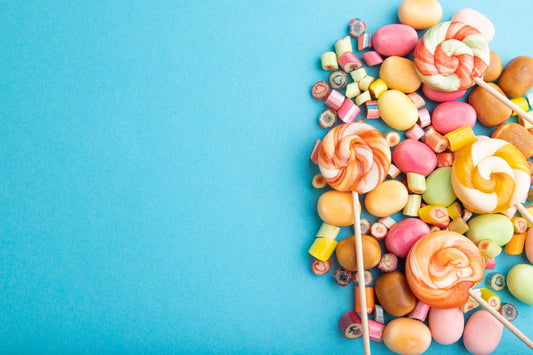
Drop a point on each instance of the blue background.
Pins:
(155, 174)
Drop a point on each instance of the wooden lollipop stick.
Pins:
(504, 100)
(501, 318)
(360, 270)
(525, 213)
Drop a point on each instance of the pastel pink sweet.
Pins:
(395, 39)
(449, 116)
(412, 156)
(404, 234)
(441, 96)
(476, 19)
(446, 325)
(482, 333)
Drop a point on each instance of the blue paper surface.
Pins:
(156, 176)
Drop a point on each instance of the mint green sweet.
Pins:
(439, 190)
(520, 282)
(494, 226)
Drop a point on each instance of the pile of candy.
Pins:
(445, 201)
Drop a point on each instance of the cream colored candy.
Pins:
(420, 14)
(400, 74)
(407, 336)
(397, 110)
(387, 198)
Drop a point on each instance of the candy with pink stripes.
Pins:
(417, 100)
(314, 152)
(350, 324)
(424, 118)
(416, 132)
(372, 58)
(348, 111)
(375, 330)
(334, 100)
(349, 62)
(420, 311)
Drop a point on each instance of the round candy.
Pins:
(492, 226)
(482, 333)
(400, 74)
(354, 157)
(450, 55)
(442, 267)
(407, 336)
(477, 20)
(420, 14)
(395, 39)
(439, 190)
(397, 110)
(490, 175)
(336, 208)
(346, 254)
(520, 282)
(449, 116)
(404, 234)
(412, 156)
(387, 198)
(446, 325)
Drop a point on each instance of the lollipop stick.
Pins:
(525, 213)
(360, 270)
(501, 318)
(504, 100)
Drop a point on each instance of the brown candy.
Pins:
(394, 294)
(495, 67)
(490, 111)
(517, 135)
(517, 76)
(346, 254)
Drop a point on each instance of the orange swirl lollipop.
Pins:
(354, 157)
(442, 267)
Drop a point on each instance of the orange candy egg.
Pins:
(347, 257)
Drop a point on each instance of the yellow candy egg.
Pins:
(420, 14)
(336, 208)
(387, 198)
(400, 74)
(397, 110)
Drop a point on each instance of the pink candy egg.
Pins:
(395, 39)
(482, 333)
(446, 325)
(404, 234)
(477, 20)
(449, 116)
(412, 156)
(440, 96)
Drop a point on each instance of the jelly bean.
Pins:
(493, 226)
(516, 78)
(441, 96)
(490, 111)
(346, 254)
(482, 333)
(395, 39)
(407, 336)
(528, 245)
(516, 135)
(394, 294)
(411, 156)
(446, 325)
(520, 282)
(448, 116)
(397, 110)
(400, 74)
(336, 208)
(386, 199)
(420, 14)
(477, 20)
(404, 234)
(495, 67)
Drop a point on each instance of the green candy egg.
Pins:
(439, 190)
(520, 282)
(494, 226)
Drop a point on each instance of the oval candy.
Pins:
(449, 116)
(404, 234)
(493, 226)
(336, 208)
(387, 198)
(394, 294)
(446, 325)
(420, 14)
(395, 39)
(397, 110)
(476, 20)
(407, 336)
(412, 156)
(439, 189)
(482, 333)
(400, 74)
(520, 282)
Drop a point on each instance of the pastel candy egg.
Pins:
(412, 156)
(493, 226)
(404, 234)
(520, 282)
(477, 20)
(400, 74)
(387, 198)
(441, 96)
(528, 247)
(395, 39)
(407, 336)
(394, 294)
(482, 333)
(420, 14)
(439, 189)
(336, 208)
(446, 325)
(397, 110)
(449, 116)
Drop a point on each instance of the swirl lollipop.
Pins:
(453, 56)
(491, 175)
(355, 157)
(441, 269)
